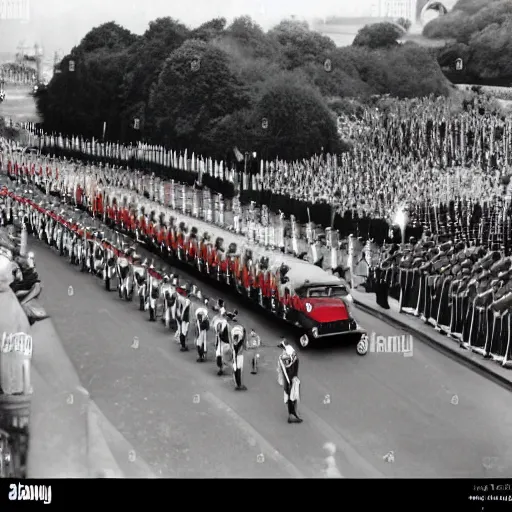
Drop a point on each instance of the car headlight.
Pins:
(314, 332)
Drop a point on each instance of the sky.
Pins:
(60, 24)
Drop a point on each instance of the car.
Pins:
(319, 304)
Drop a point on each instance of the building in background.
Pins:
(15, 10)
(394, 9)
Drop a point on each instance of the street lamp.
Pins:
(401, 221)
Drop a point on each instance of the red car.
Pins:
(319, 305)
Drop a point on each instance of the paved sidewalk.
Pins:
(426, 333)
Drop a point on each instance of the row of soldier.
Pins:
(462, 289)
(180, 303)
(128, 193)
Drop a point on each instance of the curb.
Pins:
(462, 356)
(101, 461)
(52, 363)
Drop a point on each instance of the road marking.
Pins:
(253, 435)
(331, 470)
(108, 313)
(352, 456)
(118, 444)
(101, 460)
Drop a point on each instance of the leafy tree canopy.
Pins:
(208, 89)
(378, 35)
(109, 35)
(483, 28)
(195, 89)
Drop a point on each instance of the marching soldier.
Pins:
(289, 364)
(254, 344)
(165, 292)
(183, 322)
(238, 342)
(140, 276)
(203, 326)
(221, 309)
(153, 292)
(221, 341)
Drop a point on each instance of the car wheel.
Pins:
(304, 341)
(362, 345)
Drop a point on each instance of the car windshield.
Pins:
(327, 291)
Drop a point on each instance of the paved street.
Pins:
(365, 406)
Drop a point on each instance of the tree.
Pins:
(449, 54)
(147, 58)
(108, 35)
(250, 39)
(462, 25)
(299, 122)
(491, 51)
(404, 22)
(338, 75)
(411, 72)
(378, 35)
(481, 27)
(195, 89)
(210, 30)
(211, 93)
(298, 44)
(80, 101)
(471, 7)
(241, 129)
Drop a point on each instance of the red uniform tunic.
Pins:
(296, 303)
(246, 283)
(223, 263)
(260, 281)
(170, 239)
(210, 254)
(266, 284)
(203, 251)
(100, 204)
(214, 258)
(79, 195)
(161, 236)
(192, 247)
